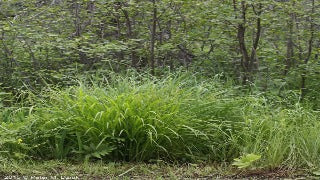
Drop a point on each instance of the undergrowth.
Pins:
(175, 119)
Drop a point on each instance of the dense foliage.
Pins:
(272, 44)
(177, 118)
(172, 80)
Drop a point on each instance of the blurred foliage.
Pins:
(53, 41)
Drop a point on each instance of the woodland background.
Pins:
(271, 44)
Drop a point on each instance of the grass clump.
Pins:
(175, 119)
(121, 121)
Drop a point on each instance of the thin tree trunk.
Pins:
(77, 23)
(153, 37)
(134, 59)
(290, 51)
(248, 62)
(306, 60)
(254, 59)
(242, 44)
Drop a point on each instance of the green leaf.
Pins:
(317, 172)
(246, 161)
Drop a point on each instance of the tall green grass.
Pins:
(177, 119)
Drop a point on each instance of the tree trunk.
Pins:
(153, 37)
(306, 60)
(290, 50)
